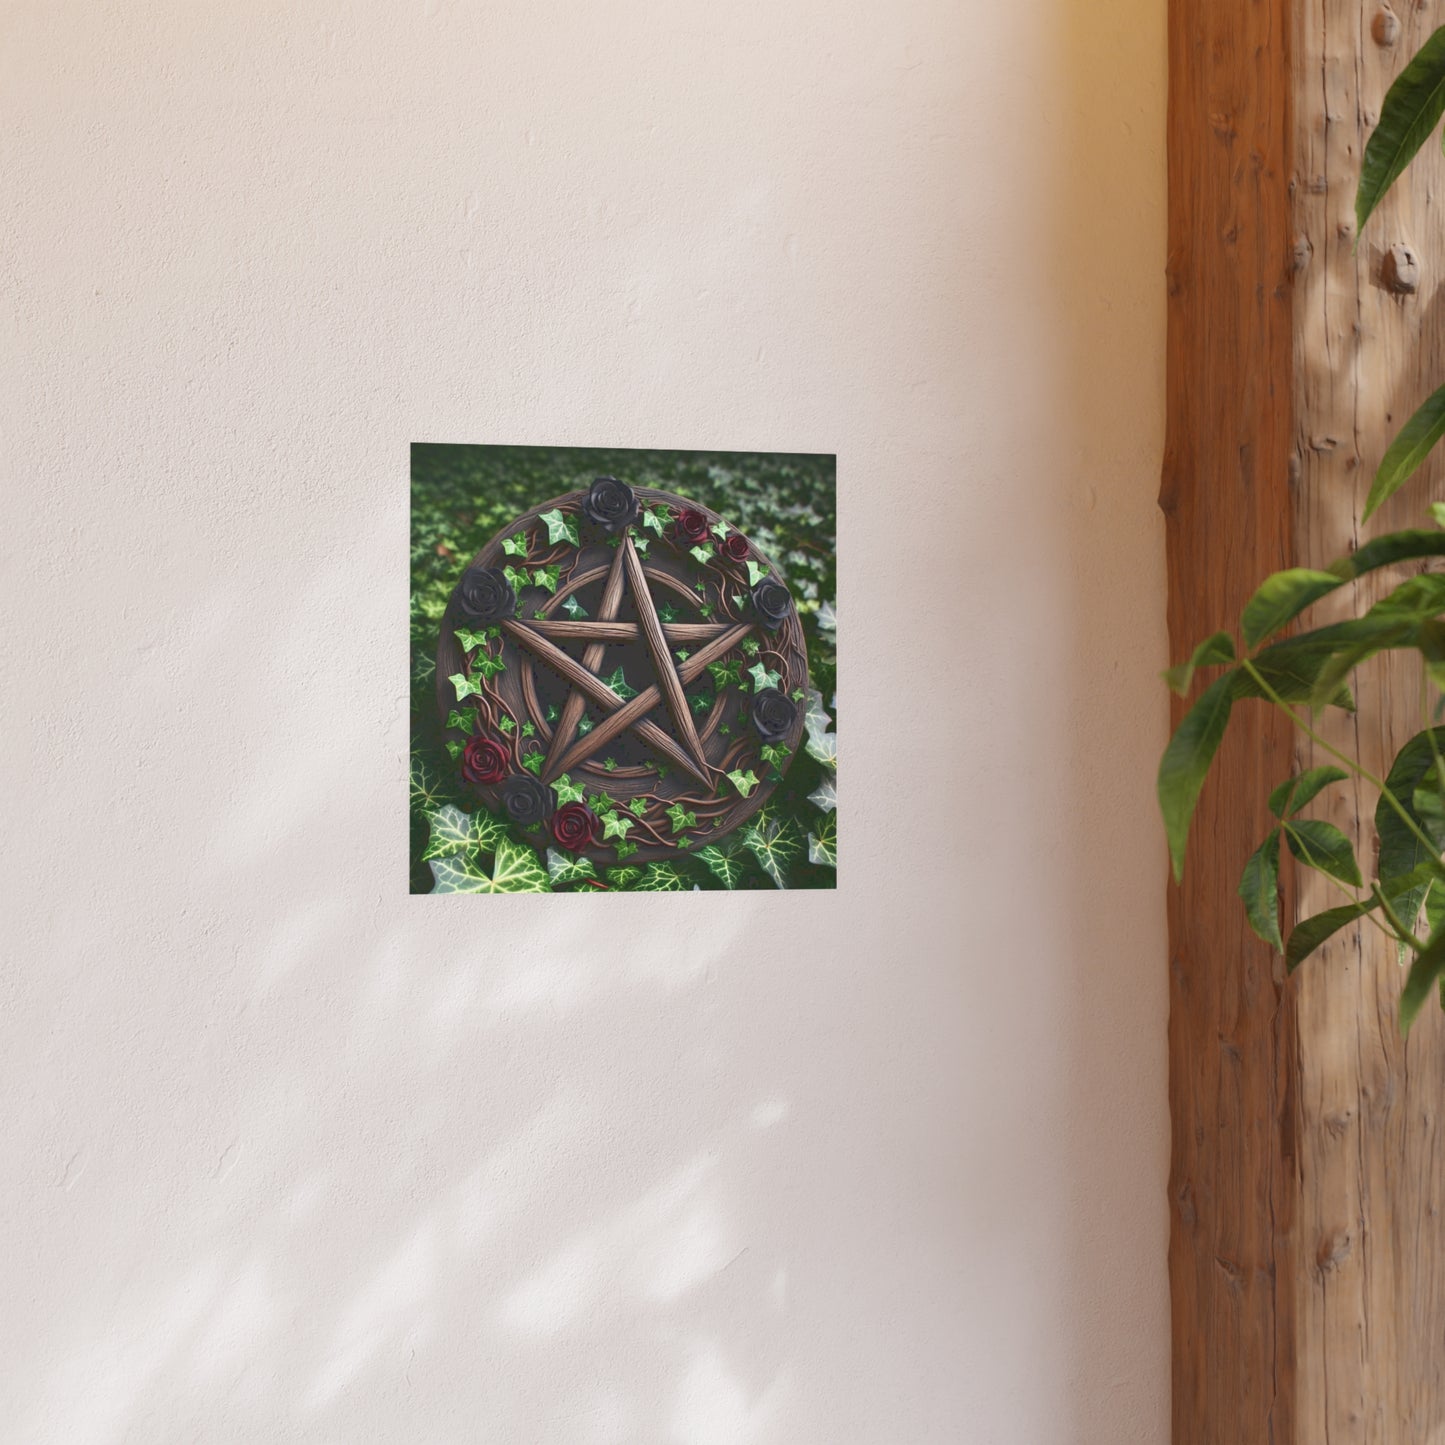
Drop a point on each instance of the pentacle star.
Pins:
(540, 638)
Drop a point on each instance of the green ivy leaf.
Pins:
(656, 518)
(488, 666)
(470, 641)
(506, 724)
(641, 544)
(1186, 761)
(700, 702)
(667, 612)
(518, 577)
(426, 785)
(703, 554)
(563, 868)
(1413, 106)
(744, 782)
(719, 530)
(681, 818)
(825, 795)
(1219, 648)
(750, 646)
(462, 721)
(774, 845)
(584, 725)
(729, 670)
(452, 834)
(724, 866)
(660, 878)
(567, 791)
(776, 754)
(682, 654)
(601, 803)
(756, 572)
(625, 850)
(824, 747)
(551, 713)
(610, 764)
(560, 528)
(455, 748)
(623, 877)
(515, 545)
(516, 869)
(823, 845)
(529, 729)
(618, 683)
(762, 678)
(546, 577)
(617, 824)
(637, 807)
(827, 617)
(533, 763)
(574, 609)
(465, 686)
(1259, 887)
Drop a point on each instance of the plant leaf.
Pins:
(560, 528)
(823, 845)
(744, 782)
(825, 795)
(1219, 648)
(1414, 442)
(660, 878)
(516, 869)
(1259, 887)
(617, 824)
(703, 554)
(774, 845)
(1298, 792)
(1429, 965)
(567, 791)
(1280, 599)
(1322, 846)
(1309, 933)
(464, 685)
(1406, 546)
(762, 678)
(564, 868)
(726, 868)
(1186, 761)
(1413, 105)
(1401, 853)
(452, 834)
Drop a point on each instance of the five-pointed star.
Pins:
(567, 750)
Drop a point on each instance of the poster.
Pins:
(624, 670)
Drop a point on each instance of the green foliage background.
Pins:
(461, 496)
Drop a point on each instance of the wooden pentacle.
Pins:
(622, 674)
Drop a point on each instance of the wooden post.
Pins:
(1307, 1249)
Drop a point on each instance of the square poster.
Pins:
(624, 670)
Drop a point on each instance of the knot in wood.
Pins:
(1385, 27)
(1400, 271)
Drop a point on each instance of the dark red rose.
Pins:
(735, 547)
(483, 761)
(690, 527)
(575, 826)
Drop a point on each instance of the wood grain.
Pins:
(593, 686)
(662, 661)
(676, 633)
(576, 703)
(1307, 1262)
(638, 707)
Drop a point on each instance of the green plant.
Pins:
(1304, 673)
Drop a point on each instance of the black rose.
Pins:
(485, 595)
(610, 504)
(772, 602)
(526, 800)
(773, 715)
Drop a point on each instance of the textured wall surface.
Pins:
(289, 1156)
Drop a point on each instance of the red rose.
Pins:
(691, 527)
(484, 761)
(735, 547)
(575, 826)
